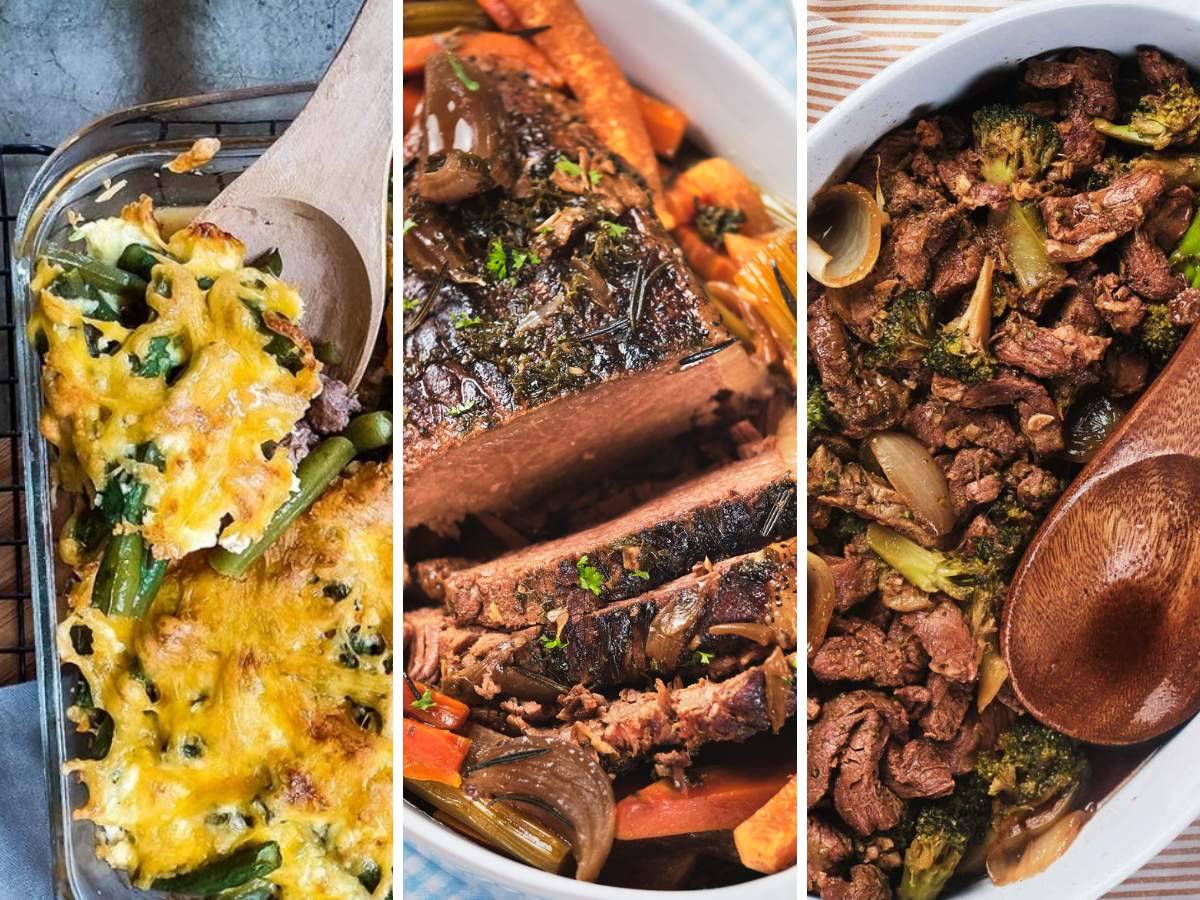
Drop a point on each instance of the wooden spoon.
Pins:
(319, 194)
(1101, 627)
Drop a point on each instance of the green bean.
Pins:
(153, 571)
(432, 16)
(328, 352)
(138, 259)
(269, 261)
(120, 575)
(369, 875)
(315, 472)
(370, 431)
(243, 865)
(98, 274)
(71, 286)
(259, 890)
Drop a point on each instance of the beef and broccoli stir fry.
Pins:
(1035, 263)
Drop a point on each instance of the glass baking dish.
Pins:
(130, 146)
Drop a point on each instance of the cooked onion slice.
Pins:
(846, 228)
(565, 781)
(821, 600)
(911, 470)
(672, 627)
(777, 675)
(761, 634)
(1026, 847)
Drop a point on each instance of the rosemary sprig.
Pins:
(777, 509)
(700, 355)
(427, 304)
(506, 758)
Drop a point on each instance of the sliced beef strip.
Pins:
(1047, 352)
(1080, 225)
(944, 634)
(938, 424)
(1126, 372)
(492, 412)
(732, 510)
(1120, 307)
(866, 882)
(915, 769)
(1160, 71)
(1184, 307)
(828, 849)
(1079, 308)
(908, 195)
(640, 723)
(897, 594)
(608, 647)
(1170, 217)
(855, 573)
(1146, 270)
(961, 177)
(948, 704)
(1041, 422)
(858, 650)
(858, 794)
(914, 698)
(850, 487)
(865, 400)
(972, 479)
(1087, 81)
(828, 736)
(915, 241)
(957, 267)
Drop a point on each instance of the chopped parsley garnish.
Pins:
(504, 264)
(614, 230)
(571, 168)
(641, 573)
(408, 225)
(590, 578)
(469, 83)
(552, 643)
(425, 701)
(460, 410)
(595, 177)
(410, 303)
(462, 320)
(702, 659)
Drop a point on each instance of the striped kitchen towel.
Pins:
(849, 41)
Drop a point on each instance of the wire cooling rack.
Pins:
(18, 164)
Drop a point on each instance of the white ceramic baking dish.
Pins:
(1163, 796)
(737, 110)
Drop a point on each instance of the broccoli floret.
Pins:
(1157, 337)
(1012, 524)
(1014, 143)
(1185, 258)
(844, 526)
(903, 331)
(1030, 765)
(960, 349)
(1160, 119)
(943, 832)
(820, 412)
(929, 570)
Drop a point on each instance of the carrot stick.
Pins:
(501, 13)
(412, 99)
(766, 842)
(595, 79)
(514, 51)
(741, 248)
(664, 123)
(724, 798)
(433, 754)
(437, 710)
(718, 182)
(709, 263)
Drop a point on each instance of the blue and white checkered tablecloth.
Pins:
(765, 28)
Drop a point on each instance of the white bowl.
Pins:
(736, 110)
(1159, 801)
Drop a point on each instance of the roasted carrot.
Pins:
(709, 263)
(514, 51)
(432, 707)
(433, 754)
(412, 99)
(598, 83)
(417, 50)
(724, 798)
(501, 13)
(741, 249)
(664, 123)
(718, 182)
(766, 842)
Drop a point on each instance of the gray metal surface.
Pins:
(65, 62)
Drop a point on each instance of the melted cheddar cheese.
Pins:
(197, 381)
(252, 711)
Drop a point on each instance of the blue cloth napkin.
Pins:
(24, 815)
(766, 29)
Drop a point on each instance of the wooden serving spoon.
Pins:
(319, 194)
(1101, 627)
